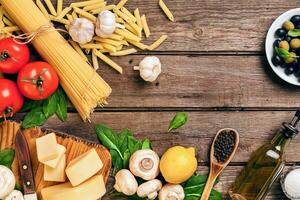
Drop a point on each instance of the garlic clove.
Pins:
(82, 30)
(105, 24)
(14, 195)
(150, 68)
(7, 181)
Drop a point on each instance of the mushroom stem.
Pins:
(147, 164)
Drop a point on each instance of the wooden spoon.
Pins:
(217, 167)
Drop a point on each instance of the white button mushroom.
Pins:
(150, 68)
(125, 182)
(82, 30)
(171, 192)
(15, 195)
(7, 181)
(149, 189)
(106, 24)
(144, 164)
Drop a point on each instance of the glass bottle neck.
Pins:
(280, 140)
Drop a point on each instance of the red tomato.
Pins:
(11, 100)
(13, 56)
(37, 80)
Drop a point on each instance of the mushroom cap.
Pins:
(144, 164)
(14, 195)
(171, 192)
(7, 181)
(149, 189)
(125, 182)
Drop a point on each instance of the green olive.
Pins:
(285, 45)
(292, 58)
(295, 43)
(288, 25)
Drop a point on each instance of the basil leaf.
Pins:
(7, 157)
(179, 120)
(116, 161)
(282, 52)
(108, 138)
(18, 187)
(35, 117)
(136, 197)
(294, 33)
(215, 195)
(146, 144)
(123, 140)
(62, 106)
(50, 105)
(126, 157)
(133, 144)
(29, 104)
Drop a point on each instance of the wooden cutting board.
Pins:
(75, 147)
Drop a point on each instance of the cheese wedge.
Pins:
(56, 174)
(46, 147)
(83, 167)
(53, 163)
(92, 189)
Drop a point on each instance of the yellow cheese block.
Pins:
(92, 189)
(83, 167)
(46, 147)
(56, 174)
(53, 163)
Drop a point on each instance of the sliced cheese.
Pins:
(92, 189)
(53, 163)
(46, 147)
(56, 174)
(83, 167)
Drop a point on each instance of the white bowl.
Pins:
(269, 45)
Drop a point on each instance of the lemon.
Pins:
(178, 164)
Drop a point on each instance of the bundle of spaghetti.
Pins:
(84, 87)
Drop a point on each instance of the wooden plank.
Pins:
(209, 25)
(255, 128)
(200, 81)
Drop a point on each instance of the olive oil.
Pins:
(264, 166)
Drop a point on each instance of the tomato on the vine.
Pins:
(37, 80)
(13, 56)
(11, 100)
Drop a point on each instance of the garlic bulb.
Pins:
(7, 181)
(150, 68)
(14, 195)
(106, 24)
(82, 30)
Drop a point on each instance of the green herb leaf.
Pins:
(7, 157)
(179, 120)
(18, 187)
(61, 111)
(282, 52)
(126, 157)
(194, 187)
(35, 117)
(133, 145)
(146, 144)
(108, 138)
(135, 197)
(294, 33)
(116, 161)
(30, 104)
(50, 105)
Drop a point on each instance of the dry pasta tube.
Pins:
(138, 18)
(85, 88)
(145, 26)
(51, 7)
(124, 52)
(95, 60)
(158, 42)
(85, 3)
(166, 10)
(109, 61)
(59, 6)
(121, 4)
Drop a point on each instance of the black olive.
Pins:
(277, 60)
(295, 19)
(276, 43)
(297, 26)
(287, 38)
(281, 32)
(297, 73)
(289, 70)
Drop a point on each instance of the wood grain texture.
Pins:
(255, 128)
(211, 25)
(74, 146)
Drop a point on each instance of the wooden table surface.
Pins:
(214, 67)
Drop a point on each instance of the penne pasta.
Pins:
(145, 26)
(85, 14)
(70, 18)
(92, 46)
(62, 21)
(122, 15)
(84, 3)
(138, 17)
(108, 61)
(42, 8)
(158, 42)
(136, 28)
(119, 48)
(95, 6)
(126, 12)
(10, 29)
(138, 44)
(74, 15)
(99, 10)
(108, 41)
(124, 52)
(166, 10)
(116, 37)
(7, 21)
(95, 60)
(51, 7)
(78, 49)
(127, 35)
(129, 28)
(109, 47)
(121, 4)
(59, 6)
(63, 13)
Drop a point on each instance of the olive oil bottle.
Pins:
(264, 166)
